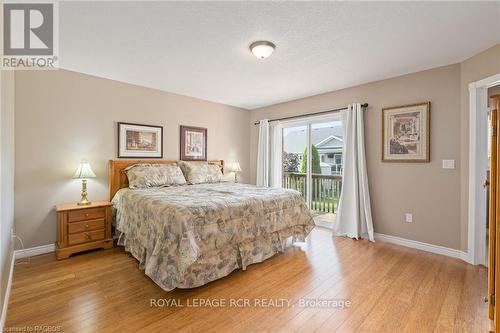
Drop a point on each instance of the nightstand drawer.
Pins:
(85, 237)
(82, 226)
(86, 214)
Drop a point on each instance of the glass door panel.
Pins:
(326, 170)
(294, 159)
(312, 164)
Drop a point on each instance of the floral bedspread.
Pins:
(186, 236)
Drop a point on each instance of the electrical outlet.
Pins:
(11, 232)
(408, 217)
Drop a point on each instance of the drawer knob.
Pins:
(86, 214)
(87, 226)
(87, 236)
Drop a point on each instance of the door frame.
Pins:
(478, 165)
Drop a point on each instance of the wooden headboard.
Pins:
(118, 178)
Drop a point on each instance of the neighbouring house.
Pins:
(328, 140)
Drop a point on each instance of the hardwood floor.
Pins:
(391, 289)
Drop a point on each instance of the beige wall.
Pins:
(478, 67)
(439, 199)
(431, 193)
(6, 176)
(62, 117)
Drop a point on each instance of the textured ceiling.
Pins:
(200, 49)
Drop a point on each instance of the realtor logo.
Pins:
(29, 35)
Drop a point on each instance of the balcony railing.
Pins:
(325, 189)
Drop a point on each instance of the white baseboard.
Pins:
(7, 292)
(446, 251)
(18, 254)
(34, 251)
(466, 257)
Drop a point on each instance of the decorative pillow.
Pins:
(198, 173)
(152, 175)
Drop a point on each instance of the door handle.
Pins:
(486, 183)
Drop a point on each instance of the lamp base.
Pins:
(84, 201)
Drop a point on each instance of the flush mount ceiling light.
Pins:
(262, 49)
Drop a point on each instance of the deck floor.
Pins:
(390, 289)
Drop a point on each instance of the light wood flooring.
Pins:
(391, 289)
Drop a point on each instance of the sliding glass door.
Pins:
(312, 164)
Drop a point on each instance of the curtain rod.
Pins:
(364, 105)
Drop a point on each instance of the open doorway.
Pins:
(478, 169)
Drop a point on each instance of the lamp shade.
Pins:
(235, 167)
(84, 171)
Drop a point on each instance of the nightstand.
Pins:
(82, 228)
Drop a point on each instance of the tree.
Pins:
(316, 167)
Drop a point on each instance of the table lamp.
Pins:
(235, 167)
(84, 172)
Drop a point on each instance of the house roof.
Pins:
(333, 141)
(322, 138)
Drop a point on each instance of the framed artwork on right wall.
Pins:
(406, 133)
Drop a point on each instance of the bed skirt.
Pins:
(212, 265)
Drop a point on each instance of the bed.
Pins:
(186, 236)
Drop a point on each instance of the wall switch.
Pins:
(408, 218)
(448, 164)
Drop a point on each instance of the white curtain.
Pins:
(263, 154)
(354, 216)
(276, 155)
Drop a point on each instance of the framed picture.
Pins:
(193, 143)
(140, 141)
(406, 133)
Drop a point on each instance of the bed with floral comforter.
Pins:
(186, 236)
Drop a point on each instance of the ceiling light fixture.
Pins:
(262, 49)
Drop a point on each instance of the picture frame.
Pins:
(193, 143)
(406, 133)
(140, 141)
